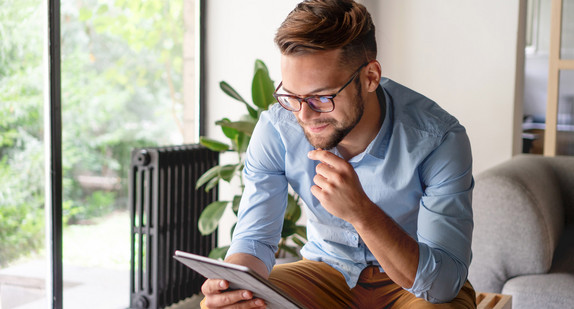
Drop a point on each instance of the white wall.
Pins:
(463, 55)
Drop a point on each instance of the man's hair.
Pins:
(322, 25)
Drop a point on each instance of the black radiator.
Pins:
(164, 209)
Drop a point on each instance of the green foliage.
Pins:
(239, 134)
(95, 205)
(121, 82)
(21, 214)
(209, 219)
(21, 131)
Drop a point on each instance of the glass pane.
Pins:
(567, 46)
(22, 234)
(534, 106)
(565, 136)
(121, 89)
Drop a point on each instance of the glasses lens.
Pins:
(289, 103)
(320, 103)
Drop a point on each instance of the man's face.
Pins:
(321, 74)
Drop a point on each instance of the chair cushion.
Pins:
(548, 291)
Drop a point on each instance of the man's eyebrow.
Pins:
(314, 92)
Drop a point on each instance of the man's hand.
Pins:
(338, 188)
(217, 296)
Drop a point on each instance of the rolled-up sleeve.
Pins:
(262, 207)
(445, 221)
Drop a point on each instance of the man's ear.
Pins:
(373, 75)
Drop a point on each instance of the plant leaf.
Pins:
(213, 144)
(212, 183)
(289, 228)
(293, 211)
(231, 92)
(297, 241)
(241, 126)
(260, 65)
(232, 230)
(241, 142)
(227, 89)
(210, 216)
(219, 253)
(262, 89)
(207, 176)
(235, 204)
(291, 250)
(230, 133)
(227, 171)
(252, 111)
(301, 230)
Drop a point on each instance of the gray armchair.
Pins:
(523, 241)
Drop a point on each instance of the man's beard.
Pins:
(341, 128)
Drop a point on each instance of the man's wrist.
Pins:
(250, 261)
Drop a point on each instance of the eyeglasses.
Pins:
(318, 103)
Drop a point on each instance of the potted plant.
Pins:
(293, 236)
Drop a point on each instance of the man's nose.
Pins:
(306, 113)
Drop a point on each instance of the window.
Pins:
(126, 71)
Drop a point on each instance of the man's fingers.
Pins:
(214, 286)
(331, 174)
(239, 299)
(331, 165)
(228, 298)
(217, 296)
(324, 156)
(322, 183)
(317, 192)
(324, 169)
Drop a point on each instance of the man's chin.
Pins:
(319, 142)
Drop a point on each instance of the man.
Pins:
(385, 174)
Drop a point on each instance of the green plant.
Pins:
(239, 134)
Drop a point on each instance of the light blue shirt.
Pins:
(418, 169)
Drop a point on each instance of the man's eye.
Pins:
(318, 100)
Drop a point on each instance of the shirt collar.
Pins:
(378, 146)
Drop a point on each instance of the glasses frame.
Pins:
(330, 97)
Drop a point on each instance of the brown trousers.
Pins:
(318, 285)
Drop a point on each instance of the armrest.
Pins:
(518, 217)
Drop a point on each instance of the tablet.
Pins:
(239, 278)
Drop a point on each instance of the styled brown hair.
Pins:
(321, 25)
